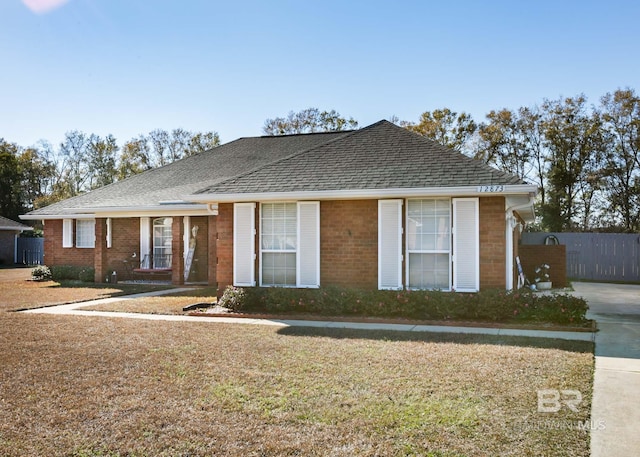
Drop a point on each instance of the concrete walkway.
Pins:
(615, 409)
(72, 309)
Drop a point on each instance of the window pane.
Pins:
(85, 233)
(278, 269)
(429, 271)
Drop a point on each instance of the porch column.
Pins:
(177, 249)
(212, 255)
(100, 263)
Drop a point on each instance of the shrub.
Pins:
(488, 305)
(233, 298)
(41, 273)
(72, 272)
(87, 275)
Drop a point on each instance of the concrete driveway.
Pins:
(615, 410)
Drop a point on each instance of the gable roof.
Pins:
(379, 157)
(8, 224)
(167, 185)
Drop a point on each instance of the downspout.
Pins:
(509, 226)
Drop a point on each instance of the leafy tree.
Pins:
(572, 135)
(309, 120)
(446, 127)
(102, 157)
(38, 174)
(10, 180)
(621, 124)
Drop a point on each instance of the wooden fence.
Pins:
(30, 251)
(596, 256)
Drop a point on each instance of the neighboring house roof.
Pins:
(8, 224)
(380, 157)
(170, 183)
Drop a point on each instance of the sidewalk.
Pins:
(616, 382)
(72, 309)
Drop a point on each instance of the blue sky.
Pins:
(126, 67)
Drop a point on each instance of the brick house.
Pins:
(378, 207)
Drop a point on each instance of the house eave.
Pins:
(360, 194)
(166, 209)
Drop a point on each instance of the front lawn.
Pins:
(94, 386)
(17, 291)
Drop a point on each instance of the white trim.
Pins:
(244, 230)
(67, 233)
(390, 238)
(304, 246)
(145, 238)
(109, 233)
(186, 237)
(129, 211)
(462, 191)
(475, 262)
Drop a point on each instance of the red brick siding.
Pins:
(532, 256)
(349, 243)
(224, 246)
(492, 243)
(55, 254)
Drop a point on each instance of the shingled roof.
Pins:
(8, 224)
(172, 182)
(380, 156)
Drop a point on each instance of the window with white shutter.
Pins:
(290, 244)
(390, 244)
(244, 244)
(466, 245)
(85, 233)
(429, 243)
(145, 241)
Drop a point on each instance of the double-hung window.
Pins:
(279, 243)
(429, 244)
(290, 244)
(162, 242)
(85, 233)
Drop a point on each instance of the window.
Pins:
(162, 240)
(429, 244)
(279, 242)
(289, 244)
(85, 233)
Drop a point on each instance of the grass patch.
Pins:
(17, 292)
(165, 304)
(82, 386)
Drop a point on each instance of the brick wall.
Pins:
(55, 254)
(532, 256)
(349, 243)
(492, 243)
(224, 246)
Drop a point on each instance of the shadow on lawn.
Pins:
(455, 338)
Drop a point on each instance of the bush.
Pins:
(489, 305)
(72, 272)
(233, 298)
(41, 273)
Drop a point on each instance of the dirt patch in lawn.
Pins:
(82, 386)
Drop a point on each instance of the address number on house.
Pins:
(491, 188)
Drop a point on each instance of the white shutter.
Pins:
(67, 233)
(145, 240)
(390, 244)
(308, 258)
(109, 233)
(466, 245)
(244, 244)
(186, 237)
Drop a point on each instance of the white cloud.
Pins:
(43, 6)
